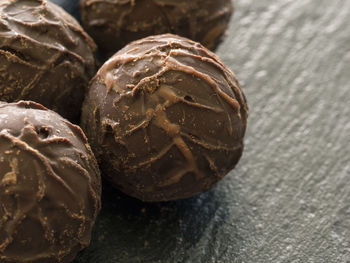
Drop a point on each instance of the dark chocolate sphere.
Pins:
(45, 56)
(113, 24)
(166, 118)
(49, 186)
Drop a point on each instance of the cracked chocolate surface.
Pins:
(45, 56)
(115, 23)
(49, 186)
(166, 118)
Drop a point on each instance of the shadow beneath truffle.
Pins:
(128, 230)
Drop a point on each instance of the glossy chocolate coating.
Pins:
(165, 118)
(45, 56)
(49, 186)
(115, 23)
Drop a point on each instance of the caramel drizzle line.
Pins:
(157, 50)
(20, 215)
(8, 179)
(42, 69)
(215, 61)
(85, 174)
(48, 66)
(154, 158)
(177, 66)
(190, 70)
(210, 146)
(173, 131)
(167, 148)
(210, 80)
(69, 38)
(11, 177)
(171, 42)
(161, 118)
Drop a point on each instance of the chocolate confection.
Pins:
(49, 186)
(113, 24)
(166, 118)
(45, 56)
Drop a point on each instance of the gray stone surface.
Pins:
(288, 200)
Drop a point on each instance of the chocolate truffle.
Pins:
(113, 24)
(49, 186)
(45, 56)
(166, 118)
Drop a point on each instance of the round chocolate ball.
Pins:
(45, 56)
(49, 186)
(166, 118)
(113, 24)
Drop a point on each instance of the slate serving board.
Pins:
(289, 198)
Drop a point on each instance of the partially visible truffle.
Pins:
(49, 186)
(166, 118)
(113, 24)
(45, 56)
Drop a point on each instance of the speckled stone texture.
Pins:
(288, 200)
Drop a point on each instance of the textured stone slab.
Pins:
(289, 198)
